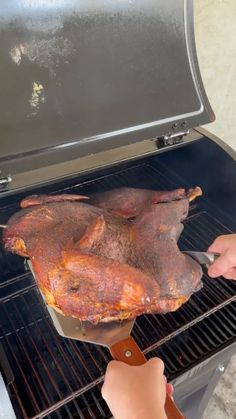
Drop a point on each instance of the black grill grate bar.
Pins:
(204, 231)
(159, 325)
(203, 303)
(216, 331)
(16, 293)
(187, 353)
(201, 343)
(222, 331)
(194, 349)
(208, 333)
(218, 290)
(201, 330)
(192, 238)
(47, 329)
(152, 326)
(213, 330)
(14, 280)
(69, 399)
(38, 354)
(207, 227)
(199, 235)
(75, 351)
(66, 358)
(107, 181)
(230, 286)
(4, 334)
(190, 350)
(230, 317)
(209, 300)
(173, 364)
(211, 294)
(77, 409)
(178, 362)
(215, 291)
(140, 335)
(44, 366)
(63, 357)
(82, 397)
(52, 357)
(225, 286)
(98, 405)
(13, 355)
(188, 325)
(58, 415)
(193, 303)
(88, 348)
(21, 344)
(189, 312)
(165, 182)
(103, 354)
(69, 415)
(228, 325)
(89, 409)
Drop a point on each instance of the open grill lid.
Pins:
(78, 78)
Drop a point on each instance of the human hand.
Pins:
(136, 392)
(226, 263)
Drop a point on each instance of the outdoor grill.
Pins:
(95, 96)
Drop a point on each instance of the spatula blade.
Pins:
(105, 334)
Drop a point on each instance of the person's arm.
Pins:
(226, 263)
(135, 392)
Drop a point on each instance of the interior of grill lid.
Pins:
(76, 71)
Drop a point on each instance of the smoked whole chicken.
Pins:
(112, 257)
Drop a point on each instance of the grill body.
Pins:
(49, 376)
(98, 95)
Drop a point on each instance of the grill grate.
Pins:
(60, 378)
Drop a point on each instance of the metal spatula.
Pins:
(203, 258)
(115, 336)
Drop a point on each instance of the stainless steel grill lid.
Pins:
(96, 70)
(79, 79)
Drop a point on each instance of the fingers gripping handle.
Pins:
(129, 352)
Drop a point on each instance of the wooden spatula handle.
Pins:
(129, 352)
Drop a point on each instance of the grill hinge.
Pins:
(4, 182)
(172, 139)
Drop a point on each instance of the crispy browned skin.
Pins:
(129, 202)
(43, 199)
(94, 265)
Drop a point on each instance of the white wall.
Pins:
(215, 30)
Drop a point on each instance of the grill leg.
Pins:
(209, 389)
(194, 389)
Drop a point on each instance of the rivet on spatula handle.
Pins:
(129, 352)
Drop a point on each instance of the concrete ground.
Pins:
(215, 26)
(223, 402)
